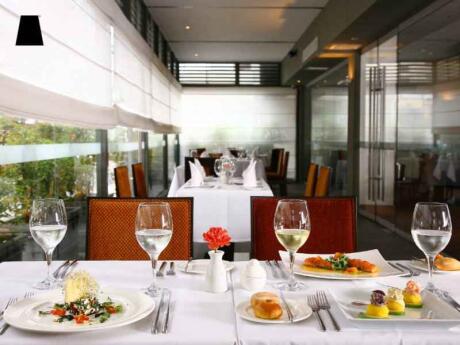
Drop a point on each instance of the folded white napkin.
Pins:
(200, 167)
(197, 178)
(204, 154)
(255, 152)
(250, 175)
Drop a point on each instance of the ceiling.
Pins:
(233, 30)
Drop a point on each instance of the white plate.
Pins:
(201, 265)
(299, 308)
(24, 314)
(442, 313)
(423, 267)
(373, 256)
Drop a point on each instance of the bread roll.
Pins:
(266, 305)
(447, 264)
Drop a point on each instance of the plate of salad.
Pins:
(48, 312)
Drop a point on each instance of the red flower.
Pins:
(216, 238)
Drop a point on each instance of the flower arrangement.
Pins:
(217, 237)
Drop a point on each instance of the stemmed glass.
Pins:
(154, 227)
(218, 166)
(292, 228)
(431, 231)
(48, 225)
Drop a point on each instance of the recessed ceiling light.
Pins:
(187, 27)
(195, 55)
(299, 81)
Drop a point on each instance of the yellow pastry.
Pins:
(377, 309)
(395, 301)
(266, 305)
(412, 296)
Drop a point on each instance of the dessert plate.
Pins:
(373, 256)
(435, 312)
(24, 314)
(423, 267)
(201, 265)
(299, 308)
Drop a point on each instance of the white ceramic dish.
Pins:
(373, 256)
(24, 314)
(201, 265)
(423, 267)
(299, 308)
(442, 314)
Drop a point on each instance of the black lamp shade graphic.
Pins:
(29, 32)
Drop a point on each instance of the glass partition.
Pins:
(156, 165)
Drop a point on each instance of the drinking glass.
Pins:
(153, 229)
(431, 231)
(292, 228)
(218, 167)
(48, 225)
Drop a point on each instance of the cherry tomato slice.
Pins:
(81, 318)
(58, 312)
(110, 309)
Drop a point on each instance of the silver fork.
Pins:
(413, 273)
(10, 301)
(5, 326)
(171, 271)
(160, 272)
(323, 303)
(313, 305)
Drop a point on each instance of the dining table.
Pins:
(200, 317)
(223, 205)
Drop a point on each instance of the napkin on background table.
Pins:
(197, 177)
(200, 167)
(250, 175)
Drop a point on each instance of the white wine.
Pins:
(431, 242)
(292, 239)
(48, 236)
(153, 241)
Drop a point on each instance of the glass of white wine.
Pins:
(292, 228)
(48, 225)
(154, 227)
(431, 231)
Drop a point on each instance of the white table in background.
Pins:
(204, 318)
(223, 205)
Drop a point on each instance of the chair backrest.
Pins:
(206, 162)
(285, 165)
(323, 181)
(333, 226)
(122, 185)
(110, 229)
(311, 179)
(276, 161)
(140, 187)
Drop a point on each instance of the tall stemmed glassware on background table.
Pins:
(431, 231)
(218, 167)
(154, 227)
(48, 225)
(292, 228)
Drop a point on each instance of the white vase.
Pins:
(216, 274)
(224, 178)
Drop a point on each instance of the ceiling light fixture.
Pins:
(195, 55)
(187, 27)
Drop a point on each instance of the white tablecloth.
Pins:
(203, 318)
(177, 181)
(228, 206)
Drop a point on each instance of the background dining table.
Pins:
(200, 317)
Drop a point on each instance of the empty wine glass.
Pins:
(48, 225)
(218, 166)
(153, 232)
(431, 231)
(292, 228)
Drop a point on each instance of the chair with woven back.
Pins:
(323, 181)
(333, 226)
(111, 226)
(140, 187)
(122, 185)
(311, 180)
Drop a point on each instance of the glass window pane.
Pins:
(155, 155)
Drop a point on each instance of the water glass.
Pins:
(48, 226)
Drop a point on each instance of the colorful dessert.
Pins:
(412, 296)
(395, 301)
(341, 262)
(81, 304)
(446, 264)
(377, 309)
(266, 305)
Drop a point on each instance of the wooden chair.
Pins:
(140, 187)
(110, 229)
(333, 226)
(311, 180)
(281, 178)
(122, 185)
(323, 181)
(206, 162)
(276, 162)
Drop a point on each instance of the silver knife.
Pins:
(188, 263)
(166, 324)
(269, 264)
(58, 270)
(283, 272)
(286, 306)
(403, 272)
(154, 328)
(160, 272)
(449, 299)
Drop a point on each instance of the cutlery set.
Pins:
(170, 272)
(408, 272)
(11, 301)
(161, 321)
(277, 270)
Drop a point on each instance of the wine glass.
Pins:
(431, 231)
(153, 232)
(218, 166)
(292, 228)
(48, 225)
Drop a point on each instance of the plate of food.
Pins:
(348, 266)
(267, 307)
(80, 307)
(395, 305)
(442, 264)
(200, 266)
